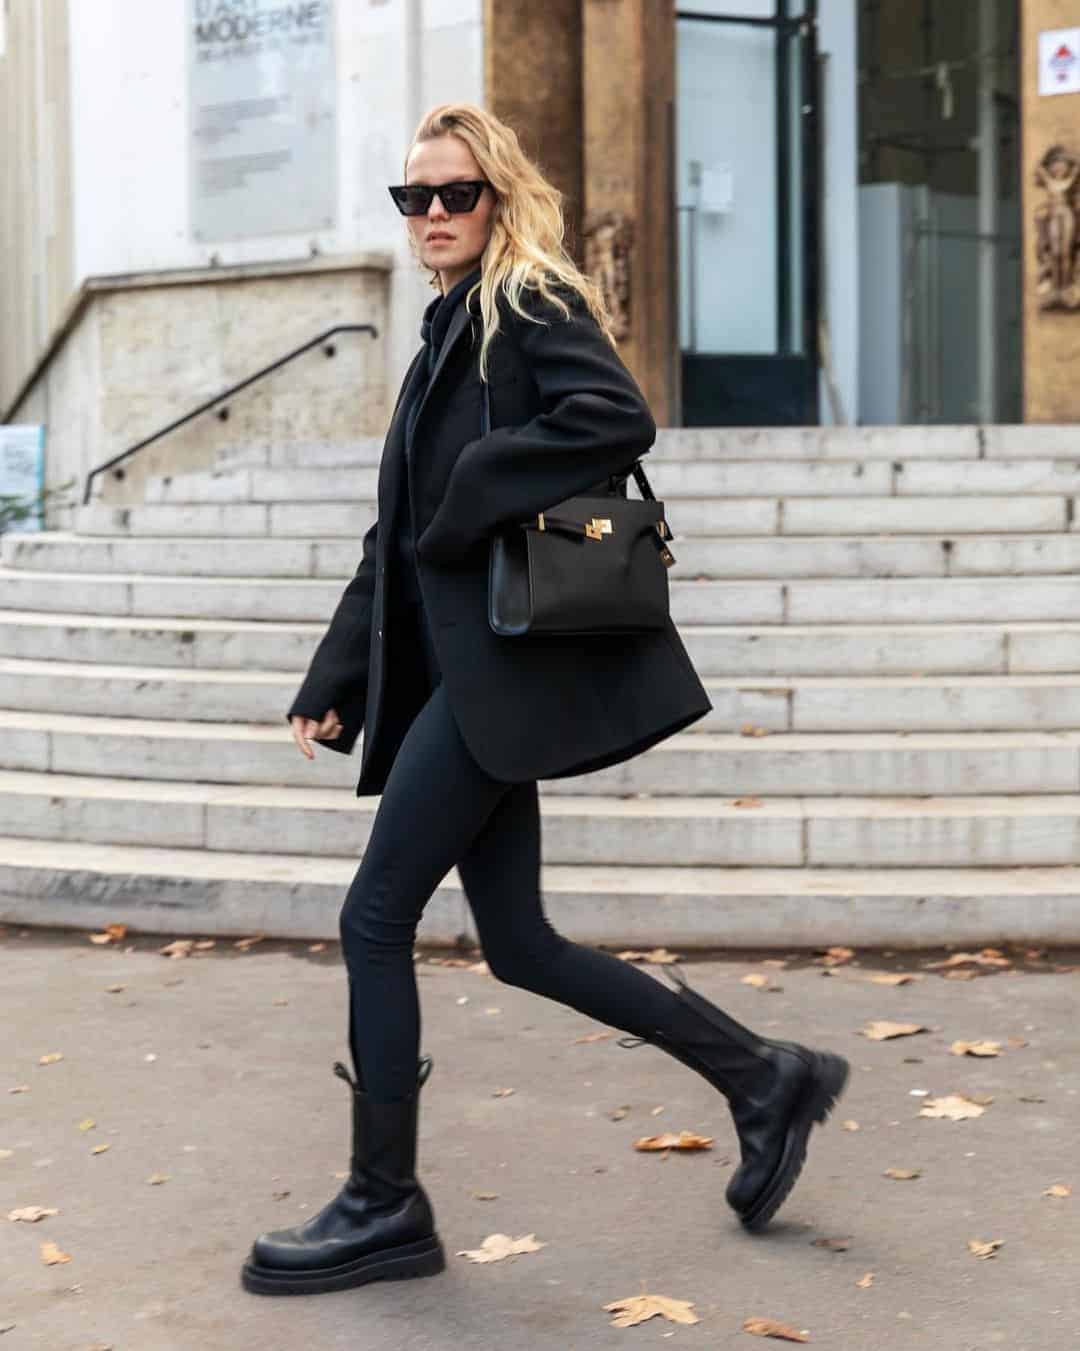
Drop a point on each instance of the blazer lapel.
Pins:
(459, 325)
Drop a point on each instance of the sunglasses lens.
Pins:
(458, 196)
(411, 201)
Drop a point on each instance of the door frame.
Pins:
(734, 388)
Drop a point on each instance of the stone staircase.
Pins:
(887, 619)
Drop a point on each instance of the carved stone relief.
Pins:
(609, 240)
(1057, 230)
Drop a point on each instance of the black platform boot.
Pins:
(380, 1225)
(776, 1090)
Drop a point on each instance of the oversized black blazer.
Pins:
(565, 414)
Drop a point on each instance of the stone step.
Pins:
(198, 893)
(1029, 440)
(698, 557)
(1017, 648)
(865, 764)
(880, 601)
(718, 516)
(670, 478)
(779, 832)
(975, 703)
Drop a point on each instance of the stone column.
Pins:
(629, 77)
(1051, 156)
(532, 79)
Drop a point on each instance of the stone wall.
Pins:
(139, 352)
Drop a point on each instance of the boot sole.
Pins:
(422, 1258)
(826, 1085)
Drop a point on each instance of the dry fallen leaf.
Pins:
(7, 1153)
(179, 947)
(99, 1149)
(485, 1196)
(20, 1088)
(1058, 1189)
(655, 955)
(833, 1244)
(31, 1214)
(156, 1179)
(501, 1092)
(769, 1327)
(865, 1282)
(894, 978)
(245, 943)
(984, 1247)
(883, 1030)
(115, 989)
(592, 1036)
(317, 947)
(987, 957)
(961, 974)
(51, 1254)
(850, 1126)
(637, 1308)
(758, 982)
(751, 729)
(980, 1048)
(902, 1174)
(669, 1140)
(748, 802)
(836, 956)
(50, 1059)
(497, 1246)
(1017, 1042)
(114, 933)
(954, 1107)
(87, 1124)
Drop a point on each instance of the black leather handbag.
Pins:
(590, 564)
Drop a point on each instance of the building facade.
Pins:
(802, 211)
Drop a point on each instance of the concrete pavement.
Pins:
(214, 1072)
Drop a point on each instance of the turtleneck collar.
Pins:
(439, 312)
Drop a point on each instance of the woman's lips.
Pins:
(441, 239)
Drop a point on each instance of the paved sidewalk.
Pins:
(215, 1070)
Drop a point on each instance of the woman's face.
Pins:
(451, 245)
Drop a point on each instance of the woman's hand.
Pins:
(303, 728)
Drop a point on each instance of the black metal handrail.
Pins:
(227, 394)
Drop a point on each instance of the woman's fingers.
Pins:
(306, 729)
(302, 728)
(330, 727)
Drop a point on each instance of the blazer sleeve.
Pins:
(594, 422)
(338, 674)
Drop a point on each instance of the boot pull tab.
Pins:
(426, 1064)
(343, 1073)
(631, 1042)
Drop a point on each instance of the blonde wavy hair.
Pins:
(525, 250)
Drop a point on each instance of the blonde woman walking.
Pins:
(460, 722)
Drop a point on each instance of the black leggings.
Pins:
(438, 809)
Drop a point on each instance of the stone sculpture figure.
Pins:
(609, 238)
(1057, 225)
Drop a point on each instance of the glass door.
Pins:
(746, 183)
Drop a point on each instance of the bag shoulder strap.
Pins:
(636, 469)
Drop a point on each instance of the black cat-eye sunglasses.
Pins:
(413, 199)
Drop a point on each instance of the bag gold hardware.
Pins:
(540, 520)
(598, 526)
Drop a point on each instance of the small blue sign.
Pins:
(22, 472)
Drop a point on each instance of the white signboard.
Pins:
(1059, 61)
(22, 471)
(262, 133)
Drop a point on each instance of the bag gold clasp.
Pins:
(598, 526)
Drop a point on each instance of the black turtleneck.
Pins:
(433, 329)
